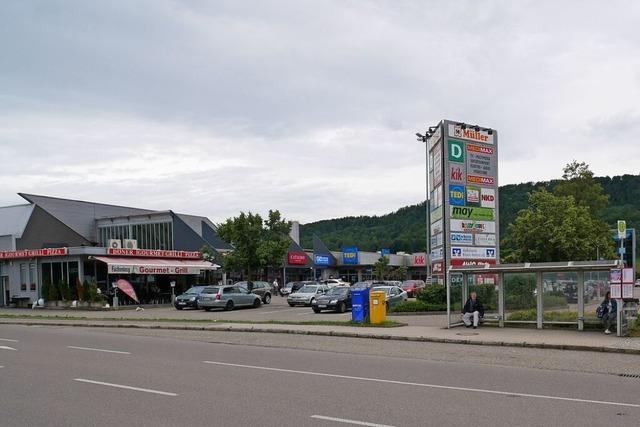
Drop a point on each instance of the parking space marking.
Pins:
(345, 421)
(423, 385)
(8, 340)
(97, 349)
(126, 387)
(4, 347)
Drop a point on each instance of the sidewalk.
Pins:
(490, 336)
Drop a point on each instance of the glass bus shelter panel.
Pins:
(456, 302)
(560, 297)
(596, 285)
(520, 297)
(486, 287)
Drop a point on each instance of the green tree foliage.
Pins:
(257, 243)
(554, 228)
(381, 268)
(577, 182)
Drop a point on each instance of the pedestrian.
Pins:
(472, 310)
(276, 287)
(608, 312)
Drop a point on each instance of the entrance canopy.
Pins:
(130, 265)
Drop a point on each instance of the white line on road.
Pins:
(345, 421)
(98, 349)
(305, 313)
(271, 312)
(4, 347)
(8, 340)
(126, 387)
(436, 386)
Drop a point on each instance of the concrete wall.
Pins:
(7, 243)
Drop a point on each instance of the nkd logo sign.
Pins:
(488, 198)
(456, 151)
(461, 239)
(481, 214)
(456, 195)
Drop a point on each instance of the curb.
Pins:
(229, 328)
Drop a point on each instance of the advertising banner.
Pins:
(472, 252)
(419, 259)
(32, 253)
(437, 254)
(468, 212)
(473, 226)
(153, 253)
(437, 240)
(127, 289)
(437, 267)
(488, 198)
(472, 262)
(457, 174)
(437, 165)
(297, 258)
(480, 160)
(456, 195)
(485, 239)
(462, 239)
(456, 151)
(436, 227)
(321, 259)
(471, 134)
(473, 196)
(350, 255)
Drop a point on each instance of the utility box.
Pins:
(377, 306)
(359, 304)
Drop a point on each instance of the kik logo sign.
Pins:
(456, 151)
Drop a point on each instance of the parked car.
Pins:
(394, 295)
(262, 289)
(335, 282)
(189, 298)
(227, 297)
(292, 287)
(337, 299)
(412, 287)
(307, 294)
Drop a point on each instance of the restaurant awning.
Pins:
(131, 265)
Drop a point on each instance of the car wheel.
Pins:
(229, 306)
(312, 301)
(196, 306)
(291, 304)
(316, 310)
(267, 298)
(178, 308)
(256, 303)
(207, 309)
(342, 307)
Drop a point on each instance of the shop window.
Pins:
(33, 277)
(73, 274)
(23, 277)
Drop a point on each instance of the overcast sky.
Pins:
(310, 107)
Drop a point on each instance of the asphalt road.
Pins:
(77, 377)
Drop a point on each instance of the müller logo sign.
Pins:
(31, 253)
(471, 134)
(155, 253)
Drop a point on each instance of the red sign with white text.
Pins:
(31, 253)
(472, 262)
(419, 260)
(297, 258)
(153, 253)
(437, 267)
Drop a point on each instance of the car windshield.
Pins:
(288, 285)
(385, 290)
(195, 290)
(307, 289)
(338, 291)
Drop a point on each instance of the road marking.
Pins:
(4, 347)
(8, 340)
(271, 312)
(97, 349)
(436, 386)
(126, 387)
(306, 314)
(345, 421)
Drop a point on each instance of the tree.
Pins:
(555, 228)
(578, 182)
(381, 268)
(256, 243)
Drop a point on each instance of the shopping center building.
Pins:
(54, 240)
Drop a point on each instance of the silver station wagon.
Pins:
(227, 297)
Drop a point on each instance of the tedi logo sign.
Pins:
(456, 195)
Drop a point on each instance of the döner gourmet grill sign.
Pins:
(470, 134)
(153, 253)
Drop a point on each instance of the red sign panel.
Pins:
(31, 253)
(153, 253)
(419, 260)
(437, 267)
(297, 258)
(472, 262)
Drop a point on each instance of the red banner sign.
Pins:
(419, 260)
(31, 253)
(437, 267)
(127, 288)
(153, 253)
(472, 262)
(297, 258)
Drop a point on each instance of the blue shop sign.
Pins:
(320, 259)
(350, 255)
(385, 251)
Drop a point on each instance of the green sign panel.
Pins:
(456, 151)
(474, 213)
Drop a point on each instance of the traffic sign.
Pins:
(622, 228)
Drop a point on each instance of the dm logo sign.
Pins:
(456, 151)
(456, 195)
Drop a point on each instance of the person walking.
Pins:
(608, 312)
(472, 310)
(276, 287)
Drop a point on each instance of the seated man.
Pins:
(472, 309)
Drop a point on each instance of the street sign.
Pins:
(622, 228)
(616, 290)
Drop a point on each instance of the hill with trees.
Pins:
(405, 229)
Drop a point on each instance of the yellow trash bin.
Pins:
(377, 307)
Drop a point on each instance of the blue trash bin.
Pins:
(360, 304)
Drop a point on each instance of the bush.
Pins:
(416, 306)
(549, 301)
(52, 293)
(46, 288)
(90, 292)
(65, 291)
(548, 316)
(433, 295)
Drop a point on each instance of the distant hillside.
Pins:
(405, 229)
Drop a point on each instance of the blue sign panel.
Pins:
(320, 259)
(385, 251)
(456, 195)
(350, 255)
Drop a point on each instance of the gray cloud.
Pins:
(305, 106)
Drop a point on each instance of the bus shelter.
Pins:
(540, 294)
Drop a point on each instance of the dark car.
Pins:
(189, 298)
(262, 289)
(337, 299)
